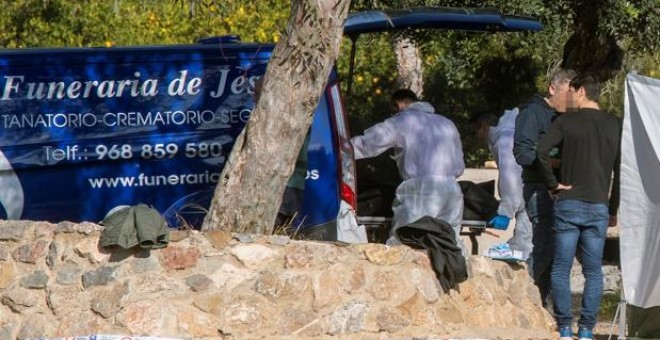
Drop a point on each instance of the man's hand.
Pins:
(560, 187)
(613, 221)
(499, 222)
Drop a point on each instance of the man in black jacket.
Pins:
(589, 140)
(531, 124)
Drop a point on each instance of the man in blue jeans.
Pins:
(532, 122)
(590, 149)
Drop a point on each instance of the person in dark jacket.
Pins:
(532, 122)
(590, 149)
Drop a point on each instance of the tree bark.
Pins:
(589, 50)
(252, 182)
(409, 65)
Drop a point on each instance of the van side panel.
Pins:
(85, 130)
(321, 200)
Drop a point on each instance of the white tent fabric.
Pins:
(639, 217)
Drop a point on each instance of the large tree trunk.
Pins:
(589, 50)
(409, 65)
(252, 182)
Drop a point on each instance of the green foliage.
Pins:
(608, 306)
(635, 22)
(50, 23)
(465, 73)
(471, 73)
(373, 79)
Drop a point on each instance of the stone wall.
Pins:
(55, 281)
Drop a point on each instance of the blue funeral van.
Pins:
(85, 130)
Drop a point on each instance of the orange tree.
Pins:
(467, 74)
(50, 23)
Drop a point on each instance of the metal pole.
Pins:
(351, 67)
(622, 315)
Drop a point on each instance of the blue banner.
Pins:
(84, 131)
(88, 130)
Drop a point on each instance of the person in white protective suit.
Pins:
(429, 155)
(498, 135)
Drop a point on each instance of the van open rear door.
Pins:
(436, 18)
(433, 18)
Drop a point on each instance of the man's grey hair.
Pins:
(562, 76)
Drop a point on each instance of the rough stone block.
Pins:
(13, 230)
(390, 320)
(348, 318)
(230, 276)
(219, 238)
(383, 255)
(196, 324)
(64, 300)
(155, 284)
(19, 299)
(269, 284)
(109, 301)
(36, 280)
(145, 264)
(89, 249)
(8, 324)
(33, 327)
(296, 286)
(278, 240)
(298, 255)
(446, 312)
(254, 255)
(7, 274)
(390, 286)
(30, 253)
(65, 227)
(198, 282)
(249, 314)
(4, 252)
(301, 322)
(146, 317)
(210, 302)
(355, 280)
(52, 259)
(328, 287)
(178, 258)
(79, 322)
(69, 273)
(99, 277)
(415, 310)
(43, 230)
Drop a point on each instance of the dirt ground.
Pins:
(604, 329)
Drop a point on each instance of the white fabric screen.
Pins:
(639, 217)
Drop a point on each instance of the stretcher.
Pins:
(479, 206)
(378, 229)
